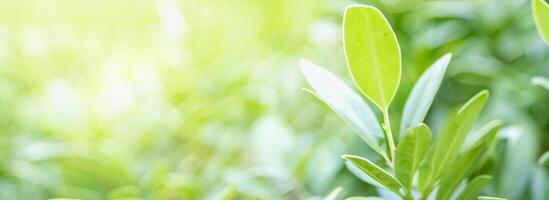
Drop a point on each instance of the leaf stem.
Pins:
(389, 134)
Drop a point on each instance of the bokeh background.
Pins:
(202, 99)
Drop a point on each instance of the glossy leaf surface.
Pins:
(372, 53)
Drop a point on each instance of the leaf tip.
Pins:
(304, 64)
(448, 56)
(356, 7)
(349, 157)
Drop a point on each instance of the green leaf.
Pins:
(461, 168)
(378, 174)
(363, 176)
(333, 194)
(474, 187)
(228, 193)
(364, 198)
(410, 152)
(372, 53)
(448, 145)
(345, 102)
(541, 81)
(541, 17)
(544, 159)
(423, 93)
(486, 132)
(490, 198)
(519, 156)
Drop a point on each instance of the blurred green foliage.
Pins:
(173, 99)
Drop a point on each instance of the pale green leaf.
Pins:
(228, 193)
(63, 199)
(541, 81)
(333, 194)
(489, 198)
(372, 53)
(486, 132)
(423, 93)
(355, 170)
(474, 187)
(364, 198)
(544, 159)
(345, 102)
(458, 170)
(541, 17)
(410, 152)
(519, 158)
(449, 143)
(378, 174)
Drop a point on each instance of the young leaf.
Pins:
(410, 152)
(486, 132)
(461, 168)
(345, 102)
(448, 145)
(372, 53)
(378, 174)
(474, 187)
(423, 93)
(541, 17)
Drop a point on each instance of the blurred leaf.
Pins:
(333, 194)
(123, 192)
(489, 198)
(62, 199)
(539, 182)
(364, 198)
(541, 81)
(544, 159)
(410, 152)
(373, 53)
(344, 101)
(517, 163)
(486, 132)
(448, 145)
(376, 173)
(541, 17)
(474, 187)
(424, 93)
(458, 170)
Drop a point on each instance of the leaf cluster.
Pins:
(417, 165)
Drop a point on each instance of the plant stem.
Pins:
(388, 161)
(389, 134)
